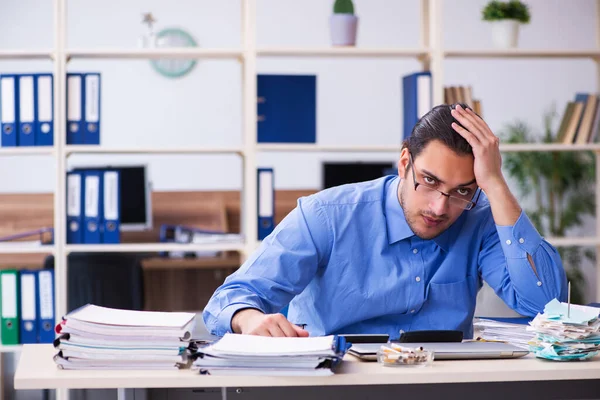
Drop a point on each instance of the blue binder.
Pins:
(29, 309)
(93, 207)
(92, 96)
(266, 202)
(45, 296)
(27, 103)
(44, 129)
(417, 96)
(111, 221)
(9, 109)
(75, 185)
(286, 108)
(75, 108)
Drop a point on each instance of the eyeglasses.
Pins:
(434, 194)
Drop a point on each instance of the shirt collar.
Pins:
(397, 227)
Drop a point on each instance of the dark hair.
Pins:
(437, 125)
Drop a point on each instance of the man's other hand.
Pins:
(254, 322)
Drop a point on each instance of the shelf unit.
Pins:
(429, 52)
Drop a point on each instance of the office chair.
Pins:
(106, 279)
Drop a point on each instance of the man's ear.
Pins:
(403, 162)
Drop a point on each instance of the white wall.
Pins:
(359, 100)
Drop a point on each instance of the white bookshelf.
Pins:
(429, 51)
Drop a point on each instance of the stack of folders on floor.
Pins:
(566, 332)
(276, 356)
(498, 330)
(94, 337)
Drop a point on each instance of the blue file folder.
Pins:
(286, 108)
(266, 202)
(27, 103)
(9, 109)
(45, 297)
(75, 185)
(75, 108)
(111, 221)
(417, 97)
(93, 206)
(28, 303)
(92, 95)
(44, 129)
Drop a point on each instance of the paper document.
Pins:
(111, 316)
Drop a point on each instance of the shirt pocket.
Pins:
(451, 305)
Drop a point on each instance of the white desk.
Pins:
(37, 370)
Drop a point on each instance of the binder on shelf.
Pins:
(286, 108)
(266, 202)
(44, 128)
(9, 307)
(29, 313)
(27, 103)
(417, 97)
(45, 297)
(111, 221)
(92, 93)
(9, 109)
(75, 195)
(93, 207)
(75, 108)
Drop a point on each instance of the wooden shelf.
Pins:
(348, 51)
(151, 247)
(26, 54)
(26, 150)
(290, 147)
(521, 53)
(195, 52)
(83, 149)
(11, 349)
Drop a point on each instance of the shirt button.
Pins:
(508, 242)
(521, 240)
(412, 311)
(539, 283)
(415, 251)
(418, 279)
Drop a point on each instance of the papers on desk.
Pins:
(236, 354)
(94, 337)
(566, 335)
(515, 334)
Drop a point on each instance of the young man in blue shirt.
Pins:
(398, 254)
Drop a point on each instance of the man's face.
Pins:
(429, 213)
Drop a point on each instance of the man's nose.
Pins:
(439, 205)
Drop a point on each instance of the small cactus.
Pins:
(343, 7)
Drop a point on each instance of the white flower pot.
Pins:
(343, 29)
(505, 33)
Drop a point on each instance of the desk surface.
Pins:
(37, 370)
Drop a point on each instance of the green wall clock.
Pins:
(169, 38)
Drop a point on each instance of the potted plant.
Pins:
(343, 23)
(561, 185)
(505, 18)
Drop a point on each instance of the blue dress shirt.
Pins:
(346, 261)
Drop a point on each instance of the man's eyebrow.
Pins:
(424, 171)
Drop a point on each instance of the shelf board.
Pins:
(11, 349)
(25, 248)
(549, 147)
(83, 149)
(184, 52)
(26, 150)
(340, 52)
(521, 53)
(301, 147)
(574, 241)
(25, 54)
(152, 247)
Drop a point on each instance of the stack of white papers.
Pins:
(566, 335)
(278, 356)
(515, 334)
(94, 337)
